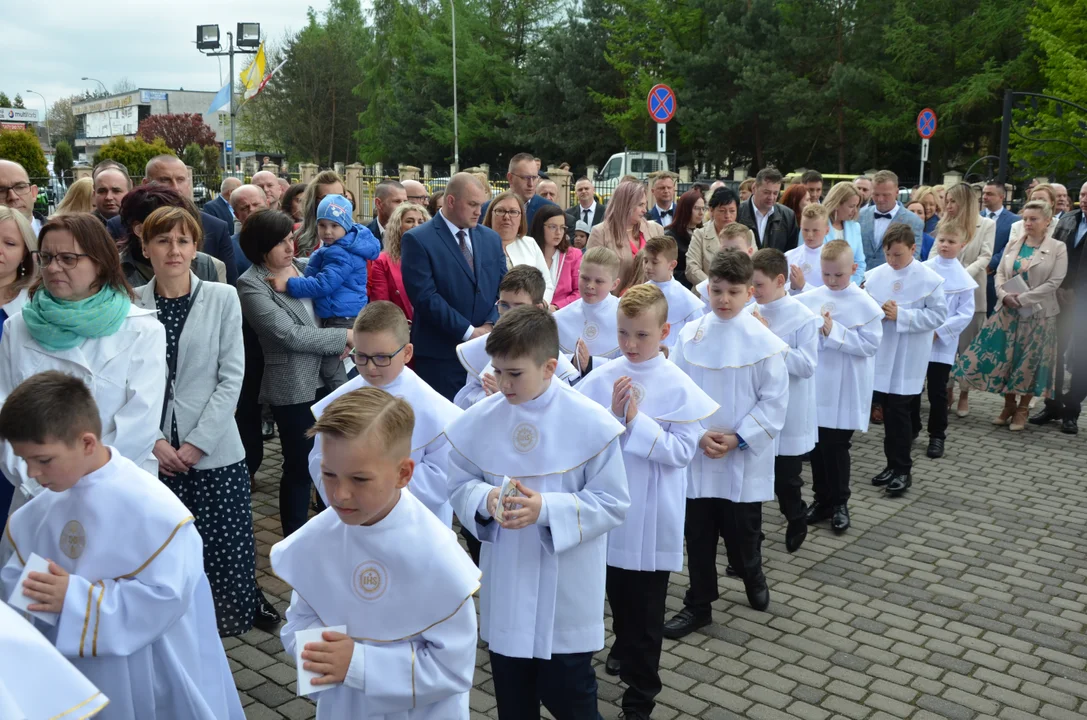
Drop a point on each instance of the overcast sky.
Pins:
(49, 46)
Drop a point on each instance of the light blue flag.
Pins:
(221, 100)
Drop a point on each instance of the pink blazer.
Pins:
(566, 288)
(386, 283)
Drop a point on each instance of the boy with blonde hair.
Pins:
(661, 255)
(804, 260)
(379, 564)
(661, 408)
(587, 325)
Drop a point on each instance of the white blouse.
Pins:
(525, 251)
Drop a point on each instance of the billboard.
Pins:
(20, 115)
(5, 126)
(109, 123)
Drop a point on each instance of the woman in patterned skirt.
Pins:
(1015, 352)
(200, 453)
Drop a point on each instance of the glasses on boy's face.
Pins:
(361, 360)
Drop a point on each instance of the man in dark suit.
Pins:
(524, 173)
(992, 206)
(219, 207)
(387, 196)
(451, 268)
(1065, 406)
(587, 210)
(774, 224)
(663, 187)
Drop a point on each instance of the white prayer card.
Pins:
(509, 490)
(305, 676)
(35, 563)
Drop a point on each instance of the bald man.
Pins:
(220, 206)
(416, 192)
(18, 193)
(387, 197)
(548, 190)
(452, 267)
(111, 184)
(244, 201)
(269, 183)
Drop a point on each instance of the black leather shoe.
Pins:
(267, 430)
(1046, 415)
(731, 572)
(266, 616)
(884, 477)
(611, 665)
(899, 484)
(685, 622)
(840, 522)
(935, 448)
(818, 512)
(758, 594)
(1070, 426)
(795, 534)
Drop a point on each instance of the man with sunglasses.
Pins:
(18, 193)
(523, 177)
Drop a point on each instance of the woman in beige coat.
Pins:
(625, 230)
(704, 244)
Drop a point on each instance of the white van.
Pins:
(639, 164)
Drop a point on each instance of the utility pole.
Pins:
(207, 40)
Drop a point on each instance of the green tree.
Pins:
(133, 154)
(61, 119)
(211, 159)
(193, 156)
(22, 146)
(5, 101)
(18, 102)
(62, 159)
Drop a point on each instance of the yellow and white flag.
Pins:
(253, 74)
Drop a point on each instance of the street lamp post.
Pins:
(207, 39)
(109, 119)
(456, 135)
(45, 116)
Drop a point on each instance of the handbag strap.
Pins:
(171, 360)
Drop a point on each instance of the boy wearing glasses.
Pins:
(382, 350)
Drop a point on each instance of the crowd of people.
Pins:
(633, 378)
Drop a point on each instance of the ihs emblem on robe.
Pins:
(638, 391)
(73, 539)
(591, 331)
(806, 267)
(827, 308)
(897, 287)
(525, 437)
(699, 334)
(370, 580)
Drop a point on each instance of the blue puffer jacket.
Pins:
(336, 275)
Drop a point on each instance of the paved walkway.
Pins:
(965, 599)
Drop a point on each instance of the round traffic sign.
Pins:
(926, 123)
(661, 103)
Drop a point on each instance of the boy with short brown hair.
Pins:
(661, 255)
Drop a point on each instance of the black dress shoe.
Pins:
(817, 512)
(935, 448)
(884, 477)
(899, 484)
(840, 522)
(267, 430)
(1046, 415)
(731, 572)
(266, 616)
(758, 594)
(685, 622)
(795, 534)
(1070, 426)
(611, 665)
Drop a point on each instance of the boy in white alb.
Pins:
(661, 408)
(734, 236)
(739, 363)
(382, 351)
(126, 578)
(849, 334)
(380, 563)
(804, 259)
(798, 327)
(958, 289)
(912, 298)
(521, 285)
(542, 506)
(661, 256)
(587, 325)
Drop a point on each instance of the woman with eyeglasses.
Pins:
(506, 216)
(80, 319)
(302, 361)
(563, 262)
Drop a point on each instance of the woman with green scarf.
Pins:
(80, 320)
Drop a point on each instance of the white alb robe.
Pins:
(543, 588)
(846, 369)
(595, 324)
(429, 449)
(741, 365)
(658, 445)
(138, 619)
(903, 355)
(809, 261)
(477, 363)
(683, 307)
(403, 587)
(958, 289)
(798, 327)
(36, 681)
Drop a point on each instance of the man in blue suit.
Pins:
(523, 175)
(884, 211)
(451, 268)
(663, 186)
(992, 206)
(219, 207)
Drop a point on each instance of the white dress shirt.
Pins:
(670, 211)
(761, 220)
(453, 229)
(880, 225)
(592, 213)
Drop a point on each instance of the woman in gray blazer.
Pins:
(302, 362)
(200, 454)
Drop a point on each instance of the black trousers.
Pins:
(637, 609)
(787, 485)
(295, 483)
(247, 414)
(897, 431)
(938, 374)
(1066, 322)
(565, 685)
(740, 524)
(830, 466)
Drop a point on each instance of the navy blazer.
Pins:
(218, 207)
(1004, 222)
(216, 241)
(654, 214)
(375, 230)
(446, 295)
